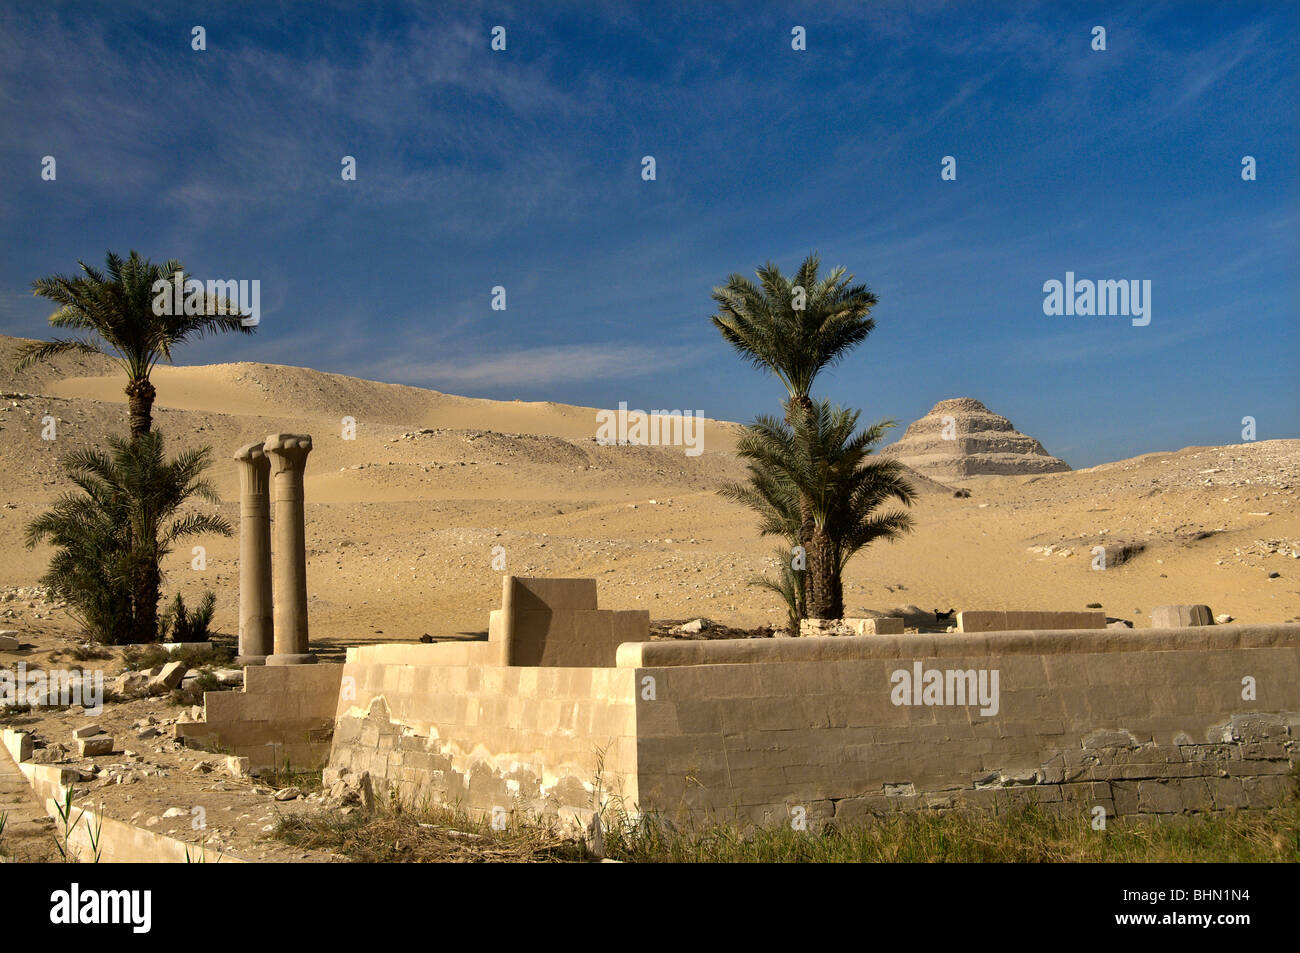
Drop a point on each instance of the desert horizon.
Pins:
(1214, 521)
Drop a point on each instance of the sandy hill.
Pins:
(402, 520)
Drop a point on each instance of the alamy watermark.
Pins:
(55, 688)
(133, 908)
(658, 428)
(1127, 297)
(190, 296)
(942, 687)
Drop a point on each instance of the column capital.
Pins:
(253, 453)
(288, 451)
(254, 472)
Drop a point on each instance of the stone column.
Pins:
(254, 555)
(288, 454)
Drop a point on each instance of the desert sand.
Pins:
(402, 521)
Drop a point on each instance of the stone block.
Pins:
(1111, 739)
(496, 625)
(168, 678)
(94, 746)
(885, 625)
(9, 641)
(538, 593)
(87, 731)
(19, 744)
(1173, 797)
(1179, 617)
(981, 620)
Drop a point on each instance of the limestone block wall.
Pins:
(1139, 722)
(284, 716)
(435, 724)
(555, 622)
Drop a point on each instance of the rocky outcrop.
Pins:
(961, 437)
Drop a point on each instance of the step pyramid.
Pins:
(974, 442)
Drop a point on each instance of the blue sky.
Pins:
(522, 169)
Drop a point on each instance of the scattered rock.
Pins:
(349, 790)
(288, 794)
(94, 746)
(130, 684)
(1117, 553)
(50, 754)
(166, 678)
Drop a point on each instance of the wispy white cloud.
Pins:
(541, 366)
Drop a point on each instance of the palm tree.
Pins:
(821, 460)
(766, 323)
(113, 536)
(91, 566)
(789, 584)
(116, 312)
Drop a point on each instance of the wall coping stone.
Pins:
(939, 645)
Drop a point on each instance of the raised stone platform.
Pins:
(1137, 722)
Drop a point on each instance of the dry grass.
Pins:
(1029, 835)
(392, 834)
(1026, 836)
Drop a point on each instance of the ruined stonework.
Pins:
(283, 717)
(1153, 721)
(974, 441)
(545, 741)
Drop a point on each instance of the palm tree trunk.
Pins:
(806, 521)
(147, 587)
(139, 397)
(837, 594)
(822, 590)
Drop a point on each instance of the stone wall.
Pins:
(1141, 722)
(484, 737)
(283, 717)
(1144, 722)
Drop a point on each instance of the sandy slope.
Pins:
(402, 520)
